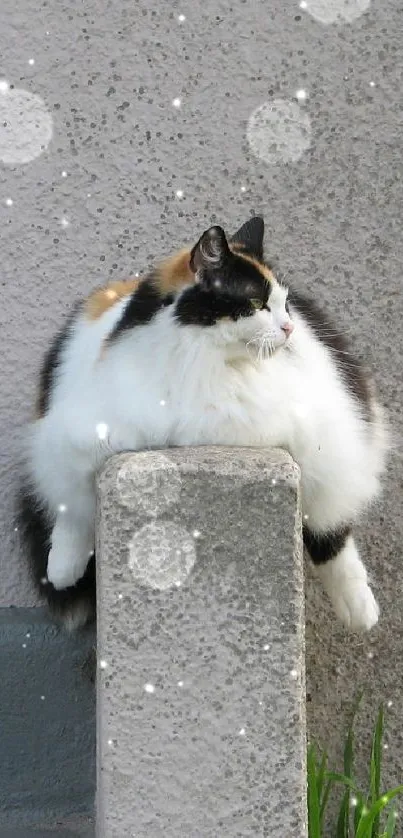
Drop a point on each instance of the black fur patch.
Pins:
(226, 292)
(325, 547)
(52, 361)
(350, 369)
(35, 532)
(145, 302)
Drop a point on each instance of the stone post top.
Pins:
(240, 463)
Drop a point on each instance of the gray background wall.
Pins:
(331, 194)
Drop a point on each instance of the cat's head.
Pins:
(235, 292)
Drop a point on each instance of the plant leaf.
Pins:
(341, 778)
(342, 829)
(391, 823)
(323, 802)
(369, 815)
(320, 774)
(375, 767)
(313, 796)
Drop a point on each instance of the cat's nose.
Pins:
(287, 328)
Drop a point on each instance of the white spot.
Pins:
(149, 688)
(274, 482)
(24, 645)
(9, 202)
(353, 801)
(390, 703)
(243, 188)
(161, 555)
(64, 174)
(303, 4)
(181, 18)
(91, 554)
(177, 102)
(64, 221)
(62, 507)
(15, 529)
(266, 647)
(179, 193)
(260, 703)
(242, 731)
(44, 580)
(88, 194)
(102, 430)
(103, 664)
(42, 698)
(28, 634)
(370, 655)
(279, 132)
(31, 61)
(47, 32)
(137, 274)
(372, 84)
(301, 95)
(196, 533)
(180, 683)
(110, 742)
(162, 402)
(336, 11)
(306, 517)
(120, 596)
(27, 126)
(386, 746)
(294, 673)
(217, 283)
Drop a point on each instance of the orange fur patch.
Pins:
(102, 299)
(175, 271)
(170, 275)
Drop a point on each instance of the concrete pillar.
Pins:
(201, 691)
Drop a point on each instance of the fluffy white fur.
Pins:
(235, 383)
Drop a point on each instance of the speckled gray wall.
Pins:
(143, 174)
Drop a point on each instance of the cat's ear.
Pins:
(211, 251)
(250, 236)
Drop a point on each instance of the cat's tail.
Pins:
(74, 607)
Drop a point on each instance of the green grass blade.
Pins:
(320, 774)
(313, 796)
(323, 802)
(342, 830)
(391, 823)
(341, 778)
(375, 767)
(368, 816)
(358, 812)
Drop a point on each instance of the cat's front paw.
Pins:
(63, 570)
(357, 607)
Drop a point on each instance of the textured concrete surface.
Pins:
(108, 75)
(201, 704)
(47, 723)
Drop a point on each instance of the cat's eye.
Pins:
(287, 308)
(257, 304)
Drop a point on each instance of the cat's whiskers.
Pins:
(264, 344)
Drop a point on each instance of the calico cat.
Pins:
(209, 349)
